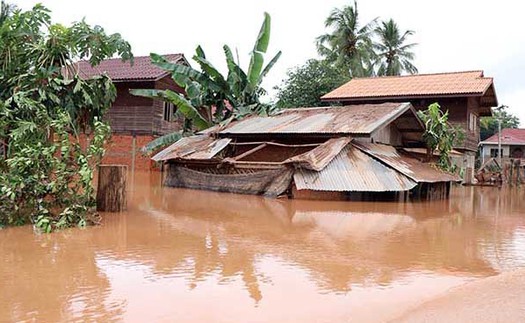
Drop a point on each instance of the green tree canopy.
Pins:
(45, 173)
(489, 125)
(349, 44)
(366, 50)
(305, 84)
(393, 54)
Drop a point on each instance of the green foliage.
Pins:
(393, 55)
(489, 125)
(349, 44)
(305, 84)
(440, 135)
(211, 98)
(46, 170)
(365, 50)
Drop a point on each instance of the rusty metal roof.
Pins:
(419, 85)
(317, 158)
(354, 171)
(194, 148)
(347, 120)
(411, 167)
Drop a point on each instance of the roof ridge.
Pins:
(134, 57)
(421, 74)
(338, 106)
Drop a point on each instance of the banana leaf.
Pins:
(183, 105)
(261, 46)
(161, 142)
(268, 67)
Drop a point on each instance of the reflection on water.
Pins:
(204, 256)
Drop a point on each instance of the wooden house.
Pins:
(467, 96)
(134, 120)
(350, 152)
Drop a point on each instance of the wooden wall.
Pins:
(459, 110)
(131, 114)
(160, 126)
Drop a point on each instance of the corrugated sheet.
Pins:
(413, 168)
(194, 148)
(353, 119)
(354, 171)
(317, 158)
(456, 83)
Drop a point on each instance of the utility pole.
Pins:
(499, 141)
(500, 109)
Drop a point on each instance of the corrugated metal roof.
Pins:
(352, 119)
(317, 158)
(194, 147)
(420, 85)
(411, 167)
(354, 171)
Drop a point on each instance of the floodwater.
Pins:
(195, 256)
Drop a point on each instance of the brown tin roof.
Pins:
(347, 120)
(410, 167)
(353, 171)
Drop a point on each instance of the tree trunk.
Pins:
(111, 192)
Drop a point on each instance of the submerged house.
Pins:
(349, 152)
(512, 145)
(467, 96)
(135, 120)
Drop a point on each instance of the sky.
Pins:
(452, 35)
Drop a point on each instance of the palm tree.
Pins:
(349, 44)
(394, 56)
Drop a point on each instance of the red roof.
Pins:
(413, 86)
(508, 137)
(117, 70)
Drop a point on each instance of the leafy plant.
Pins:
(46, 170)
(440, 135)
(211, 98)
(305, 84)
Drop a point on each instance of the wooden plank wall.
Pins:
(160, 126)
(131, 114)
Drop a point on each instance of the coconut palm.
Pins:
(348, 44)
(394, 55)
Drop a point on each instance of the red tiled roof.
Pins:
(421, 85)
(508, 137)
(117, 70)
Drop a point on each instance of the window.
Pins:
(473, 122)
(168, 111)
(494, 152)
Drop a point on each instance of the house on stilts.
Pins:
(350, 152)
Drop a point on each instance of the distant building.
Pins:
(134, 120)
(512, 145)
(466, 95)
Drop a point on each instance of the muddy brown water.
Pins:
(195, 256)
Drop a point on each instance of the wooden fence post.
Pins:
(111, 191)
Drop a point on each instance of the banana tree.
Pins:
(211, 98)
